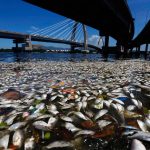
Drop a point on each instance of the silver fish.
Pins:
(41, 125)
(65, 118)
(142, 125)
(29, 144)
(80, 115)
(100, 114)
(84, 132)
(140, 135)
(18, 138)
(71, 127)
(137, 145)
(103, 123)
(59, 144)
(4, 141)
(17, 125)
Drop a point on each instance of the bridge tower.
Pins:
(85, 37)
(73, 36)
(146, 50)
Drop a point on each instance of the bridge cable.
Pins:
(65, 32)
(78, 36)
(52, 26)
(53, 29)
(71, 33)
(56, 31)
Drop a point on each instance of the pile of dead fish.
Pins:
(89, 106)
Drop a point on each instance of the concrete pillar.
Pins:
(85, 37)
(16, 45)
(136, 53)
(139, 50)
(146, 50)
(106, 46)
(28, 43)
(131, 52)
(16, 42)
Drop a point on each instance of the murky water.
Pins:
(16, 57)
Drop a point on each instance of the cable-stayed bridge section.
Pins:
(112, 17)
(65, 32)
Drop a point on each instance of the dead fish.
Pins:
(147, 122)
(18, 138)
(4, 132)
(80, 115)
(68, 119)
(142, 125)
(131, 107)
(118, 101)
(53, 97)
(85, 132)
(41, 125)
(103, 123)
(43, 117)
(59, 144)
(33, 116)
(29, 144)
(84, 105)
(89, 113)
(137, 145)
(71, 127)
(79, 106)
(16, 126)
(10, 120)
(66, 107)
(140, 135)
(119, 116)
(137, 103)
(84, 99)
(52, 122)
(100, 114)
(4, 141)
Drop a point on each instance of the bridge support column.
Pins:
(105, 50)
(16, 45)
(139, 50)
(131, 53)
(146, 50)
(16, 42)
(85, 37)
(28, 44)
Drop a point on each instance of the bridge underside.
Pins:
(143, 37)
(112, 17)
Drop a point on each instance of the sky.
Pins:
(18, 16)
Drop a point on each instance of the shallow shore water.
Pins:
(75, 105)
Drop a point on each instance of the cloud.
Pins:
(94, 39)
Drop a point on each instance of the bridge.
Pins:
(142, 38)
(53, 34)
(111, 17)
